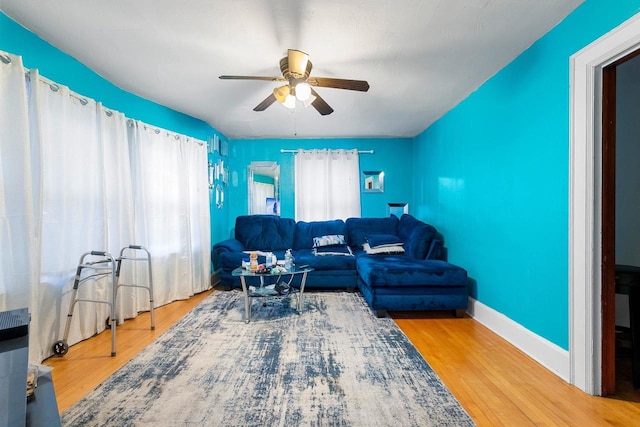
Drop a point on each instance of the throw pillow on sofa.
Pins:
(383, 244)
(382, 240)
(333, 250)
(328, 240)
(392, 249)
(331, 244)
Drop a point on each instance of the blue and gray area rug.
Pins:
(335, 364)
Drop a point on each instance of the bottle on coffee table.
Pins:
(288, 260)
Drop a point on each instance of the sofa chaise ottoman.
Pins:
(416, 279)
(402, 283)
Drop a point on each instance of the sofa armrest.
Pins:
(229, 245)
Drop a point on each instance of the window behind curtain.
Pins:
(327, 184)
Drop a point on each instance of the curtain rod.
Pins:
(282, 150)
(5, 58)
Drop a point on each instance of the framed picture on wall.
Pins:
(397, 209)
(214, 144)
(224, 148)
(220, 170)
(373, 181)
(225, 175)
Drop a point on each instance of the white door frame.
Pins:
(585, 204)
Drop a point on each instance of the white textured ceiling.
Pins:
(420, 57)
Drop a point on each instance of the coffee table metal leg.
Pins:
(247, 301)
(304, 280)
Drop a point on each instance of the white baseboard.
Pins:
(548, 354)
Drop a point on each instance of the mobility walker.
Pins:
(100, 264)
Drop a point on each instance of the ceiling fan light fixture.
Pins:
(281, 93)
(290, 102)
(303, 91)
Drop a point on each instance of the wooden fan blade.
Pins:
(266, 103)
(320, 104)
(269, 79)
(359, 85)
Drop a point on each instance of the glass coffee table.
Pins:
(269, 291)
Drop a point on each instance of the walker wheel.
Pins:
(60, 348)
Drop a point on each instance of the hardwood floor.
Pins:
(89, 362)
(496, 383)
(499, 385)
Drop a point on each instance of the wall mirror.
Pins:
(397, 209)
(264, 188)
(212, 176)
(219, 196)
(373, 181)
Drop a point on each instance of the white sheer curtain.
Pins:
(195, 164)
(67, 187)
(85, 202)
(19, 260)
(327, 184)
(172, 210)
(118, 196)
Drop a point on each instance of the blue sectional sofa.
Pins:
(416, 279)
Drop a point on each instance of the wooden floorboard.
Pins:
(496, 383)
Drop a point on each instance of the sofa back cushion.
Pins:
(265, 232)
(359, 228)
(416, 235)
(306, 231)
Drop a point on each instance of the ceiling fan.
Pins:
(296, 69)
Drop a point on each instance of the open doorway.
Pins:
(620, 210)
(589, 278)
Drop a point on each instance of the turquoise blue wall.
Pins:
(390, 156)
(495, 174)
(62, 68)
